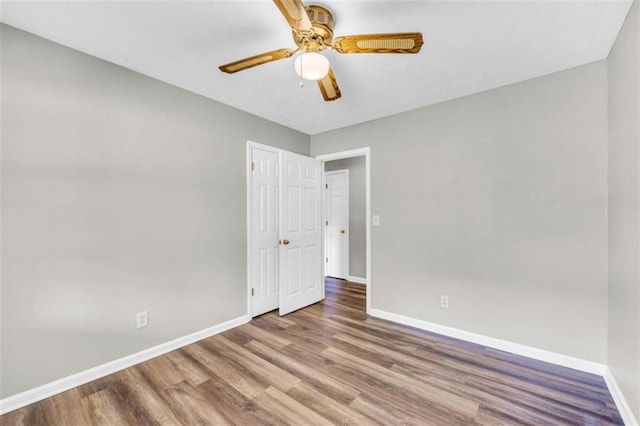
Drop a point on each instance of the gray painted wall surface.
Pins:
(357, 212)
(119, 194)
(499, 201)
(624, 209)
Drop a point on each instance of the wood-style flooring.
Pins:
(331, 364)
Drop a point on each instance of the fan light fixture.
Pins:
(312, 30)
(312, 66)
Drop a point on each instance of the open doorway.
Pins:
(346, 298)
(347, 217)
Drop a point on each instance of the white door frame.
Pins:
(366, 153)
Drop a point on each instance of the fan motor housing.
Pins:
(322, 23)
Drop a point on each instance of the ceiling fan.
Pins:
(313, 32)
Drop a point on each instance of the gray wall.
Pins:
(119, 194)
(499, 201)
(624, 209)
(357, 212)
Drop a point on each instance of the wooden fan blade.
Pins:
(295, 14)
(379, 43)
(254, 61)
(329, 87)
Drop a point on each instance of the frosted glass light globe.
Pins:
(312, 66)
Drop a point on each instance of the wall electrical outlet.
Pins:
(142, 319)
(444, 301)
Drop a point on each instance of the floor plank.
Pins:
(330, 363)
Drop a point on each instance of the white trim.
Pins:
(366, 152)
(323, 248)
(523, 350)
(358, 152)
(492, 342)
(619, 399)
(357, 280)
(52, 388)
(249, 227)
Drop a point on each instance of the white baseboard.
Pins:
(47, 390)
(528, 351)
(504, 345)
(357, 280)
(58, 386)
(619, 399)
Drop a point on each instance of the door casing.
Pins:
(366, 153)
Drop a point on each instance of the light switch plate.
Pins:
(375, 220)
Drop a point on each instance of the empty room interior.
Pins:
(342, 212)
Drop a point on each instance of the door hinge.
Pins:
(327, 260)
(253, 165)
(326, 223)
(326, 186)
(252, 291)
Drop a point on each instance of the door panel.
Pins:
(293, 209)
(337, 235)
(264, 245)
(313, 268)
(300, 259)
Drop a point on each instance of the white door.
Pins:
(264, 218)
(300, 232)
(337, 223)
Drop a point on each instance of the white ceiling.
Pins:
(470, 46)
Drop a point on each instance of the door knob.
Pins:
(342, 231)
(285, 242)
